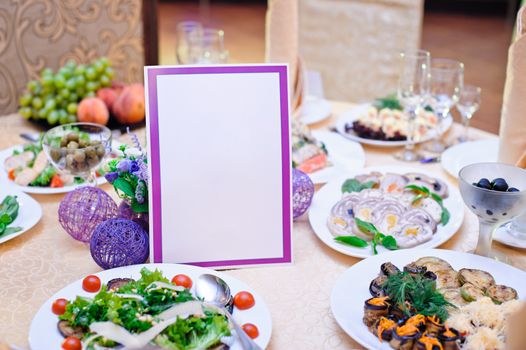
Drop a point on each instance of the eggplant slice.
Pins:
(453, 296)
(499, 293)
(116, 283)
(433, 264)
(389, 268)
(375, 288)
(447, 279)
(471, 293)
(66, 330)
(480, 279)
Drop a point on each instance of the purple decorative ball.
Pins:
(126, 212)
(119, 242)
(81, 210)
(302, 192)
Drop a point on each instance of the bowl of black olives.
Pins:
(77, 148)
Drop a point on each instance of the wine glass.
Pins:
(208, 46)
(78, 148)
(413, 90)
(492, 207)
(468, 103)
(183, 48)
(447, 79)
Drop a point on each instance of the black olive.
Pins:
(430, 275)
(350, 212)
(513, 189)
(436, 186)
(484, 183)
(499, 184)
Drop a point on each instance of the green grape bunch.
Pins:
(54, 97)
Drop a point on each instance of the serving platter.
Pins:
(6, 153)
(355, 112)
(331, 193)
(29, 212)
(43, 333)
(352, 287)
(458, 156)
(314, 110)
(344, 156)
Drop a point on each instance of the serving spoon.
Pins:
(215, 291)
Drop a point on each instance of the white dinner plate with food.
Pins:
(44, 334)
(458, 156)
(343, 156)
(331, 212)
(314, 110)
(348, 117)
(4, 174)
(352, 289)
(28, 214)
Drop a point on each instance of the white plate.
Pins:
(344, 156)
(502, 235)
(315, 110)
(43, 333)
(466, 153)
(354, 113)
(29, 213)
(352, 288)
(6, 153)
(331, 193)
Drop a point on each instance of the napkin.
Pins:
(282, 44)
(516, 338)
(512, 148)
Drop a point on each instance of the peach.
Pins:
(93, 110)
(129, 107)
(108, 95)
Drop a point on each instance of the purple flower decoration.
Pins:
(133, 166)
(139, 192)
(111, 177)
(124, 165)
(142, 173)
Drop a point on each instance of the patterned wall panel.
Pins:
(46, 33)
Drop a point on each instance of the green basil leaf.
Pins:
(124, 186)
(389, 242)
(437, 198)
(352, 241)
(366, 227)
(139, 208)
(6, 219)
(10, 230)
(444, 218)
(373, 243)
(353, 185)
(416, 188)
(2, 228)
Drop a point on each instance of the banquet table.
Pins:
(40, 262)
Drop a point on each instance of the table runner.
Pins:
(42, 261)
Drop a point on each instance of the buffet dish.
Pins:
(386, 208)
(430, 299)
(383, 123)
(149, 307)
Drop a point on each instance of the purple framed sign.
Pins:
(219, 158)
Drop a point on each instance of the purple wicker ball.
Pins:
(302, 192)
(119, 242)
(81, 210)
(126, 212)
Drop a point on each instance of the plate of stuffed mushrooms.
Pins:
(428, 299)
(378, 209)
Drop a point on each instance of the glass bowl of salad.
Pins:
(78, 148)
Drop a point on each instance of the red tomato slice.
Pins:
(72, 343)
(56, 181)
(312, 164)
(183, 281)
(251, 330)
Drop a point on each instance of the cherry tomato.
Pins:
(244, 300)
(183, 281)
(59, 306)
(56, 181)
(71, 343)
(251, 330)
(11, 174)
(91, 284)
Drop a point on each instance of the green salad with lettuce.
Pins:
(150, 311)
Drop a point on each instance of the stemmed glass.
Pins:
(78, 148)
(183, 32)
(492, 207)
(467, 105)
(208, 46)
(413, 90)
(447, 79)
